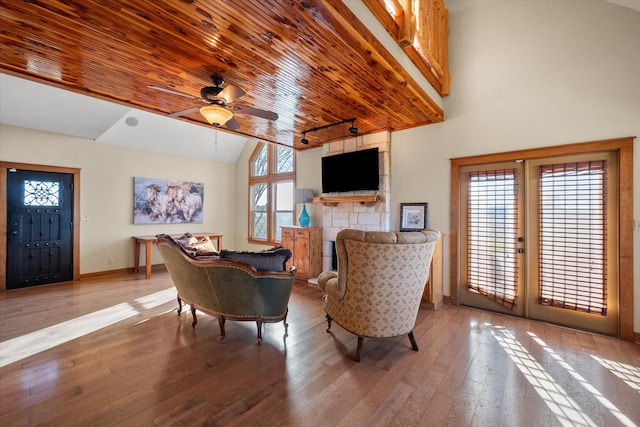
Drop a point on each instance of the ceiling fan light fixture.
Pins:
(216, 114)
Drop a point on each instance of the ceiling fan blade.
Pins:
(269, 115)
(182, 112)
(232, 124)
(230, 93)
(173, 92)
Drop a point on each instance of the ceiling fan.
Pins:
(219, 110)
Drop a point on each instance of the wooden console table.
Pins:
(150, 239)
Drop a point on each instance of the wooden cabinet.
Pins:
(432, 295)
(306, 245)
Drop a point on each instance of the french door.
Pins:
(539, 239)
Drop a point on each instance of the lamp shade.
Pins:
(216, 114)
(304, 195)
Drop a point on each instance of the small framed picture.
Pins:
(413, 216)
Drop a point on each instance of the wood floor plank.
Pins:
(149, 367)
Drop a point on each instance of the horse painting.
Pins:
(159, 201)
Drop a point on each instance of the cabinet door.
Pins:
(287, 241)
(301, 253)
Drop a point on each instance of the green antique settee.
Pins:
(226, 286)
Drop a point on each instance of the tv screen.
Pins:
(354, 171)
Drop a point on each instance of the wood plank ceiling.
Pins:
(312, 62)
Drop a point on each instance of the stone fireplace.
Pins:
(368, 216)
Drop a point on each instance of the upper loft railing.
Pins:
(421, 28)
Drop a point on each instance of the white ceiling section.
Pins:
(32, 105)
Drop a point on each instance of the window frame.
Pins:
(271, 179)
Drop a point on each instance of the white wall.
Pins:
(106, 191)
(525, 74)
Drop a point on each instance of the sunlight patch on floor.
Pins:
(627, 373)
(582, 380)
(568, 412)
(21, 347)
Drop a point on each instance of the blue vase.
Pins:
(304, 218)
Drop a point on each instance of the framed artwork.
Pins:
(159, 201)
(413, 216)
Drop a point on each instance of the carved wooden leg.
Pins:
(414, 345)
(359, 348)
(286, 325)
(221, 320)
(193, 314)
(179, 305)
(329, 319)
(259, 324)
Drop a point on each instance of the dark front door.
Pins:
(39, 228)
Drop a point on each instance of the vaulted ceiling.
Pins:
(312, 62)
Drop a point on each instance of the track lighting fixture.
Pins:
(352, 130)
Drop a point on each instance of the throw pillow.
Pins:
(273, 259)
(204, 245)
(186, 239)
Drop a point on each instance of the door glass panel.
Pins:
(41, 193)
(572, 236)
(492, 241)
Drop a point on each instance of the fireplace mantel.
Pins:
(367, 200)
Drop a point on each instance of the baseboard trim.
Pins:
(128, 270)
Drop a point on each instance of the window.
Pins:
(271, 183)
(41, 193)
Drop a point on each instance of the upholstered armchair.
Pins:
(378, 287)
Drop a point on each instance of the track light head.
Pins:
(353, 130)
(304, 139)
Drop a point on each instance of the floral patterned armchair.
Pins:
(378, 287)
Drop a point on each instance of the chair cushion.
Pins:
(273, 259)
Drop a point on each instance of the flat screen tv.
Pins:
(354, 171)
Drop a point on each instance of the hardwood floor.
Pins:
(112, 351)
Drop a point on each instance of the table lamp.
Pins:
(304, 196)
